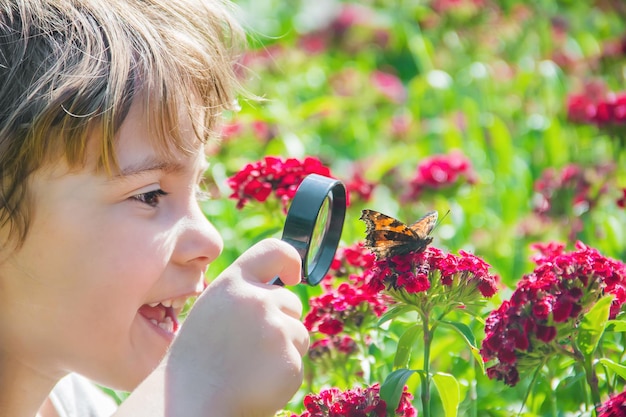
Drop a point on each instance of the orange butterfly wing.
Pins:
(387, 237)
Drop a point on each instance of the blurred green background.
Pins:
(375, 88)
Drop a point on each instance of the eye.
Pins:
(150, 198)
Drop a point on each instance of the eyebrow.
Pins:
(154, 164)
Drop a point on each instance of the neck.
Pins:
(24, 387)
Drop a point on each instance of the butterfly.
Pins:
(387, 237)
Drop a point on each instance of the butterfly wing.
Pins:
(386, 236)
(425, 225)
(422, 229)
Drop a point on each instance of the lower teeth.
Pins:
(167, 324)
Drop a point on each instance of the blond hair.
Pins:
(68, 67)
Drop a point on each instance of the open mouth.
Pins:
(164, 314)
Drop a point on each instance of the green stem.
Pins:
(426, 374)
(592, 382)
(473, 394)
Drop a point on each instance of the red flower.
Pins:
(348, 305)
(412, 272)
(256, 181)
(357, 402)
(546, 333)
(551, 299)
(614, 406)
(598, 107)
(580, 109)
(358, 187)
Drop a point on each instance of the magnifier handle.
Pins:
(277, 281)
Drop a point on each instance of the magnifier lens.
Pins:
(319, 232)
(313, 225)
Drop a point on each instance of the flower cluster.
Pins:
(256, 181)
(444, 6)
(443, 278)
(546, 307)
(357, 402)
(441, 171)
(608, 110)
(359, 187)
(614, 406)
(572, 190)
(259, 129)
(352, 259)
(336, 343)
(347, 305)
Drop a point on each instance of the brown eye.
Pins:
(151, 198)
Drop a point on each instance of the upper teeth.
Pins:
(172, 302)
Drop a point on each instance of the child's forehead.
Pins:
(143, 141)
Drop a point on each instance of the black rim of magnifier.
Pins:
(302, 218)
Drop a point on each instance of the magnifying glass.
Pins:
(314, 224)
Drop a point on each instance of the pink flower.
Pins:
(313, 43)
(570, 190)
(441, 171)
(231, 130)
(389, 85)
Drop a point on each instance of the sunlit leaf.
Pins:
(448, 388)
(405, 346)
(592, 326)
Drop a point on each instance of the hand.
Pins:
(240, 349)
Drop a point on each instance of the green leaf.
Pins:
(394, 312)
(392, 388)
(463, 330)
(405, 345)
(592, 326)
(615, 367)
(449, 392)
(615, 326)
(468, 337)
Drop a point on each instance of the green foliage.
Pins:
(491, 82)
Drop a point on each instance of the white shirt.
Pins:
(76, 396)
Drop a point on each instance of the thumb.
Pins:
(268, 259)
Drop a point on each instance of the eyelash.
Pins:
(150, 198)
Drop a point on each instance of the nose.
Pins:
(199, 242)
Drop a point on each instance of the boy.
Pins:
(105, 109)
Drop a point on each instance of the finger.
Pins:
(301, 337)
(286, 301)
(268, 259)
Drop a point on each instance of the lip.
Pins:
(168, 336)
(172, 312)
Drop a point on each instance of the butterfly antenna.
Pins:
(439, 220)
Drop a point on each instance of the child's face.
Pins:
(77, 296)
